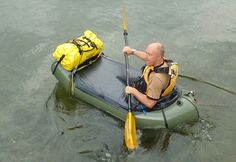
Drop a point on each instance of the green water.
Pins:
(39, 122)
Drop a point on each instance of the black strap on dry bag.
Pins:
(58, 62)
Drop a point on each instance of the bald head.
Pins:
(155, 54)
(157, 48)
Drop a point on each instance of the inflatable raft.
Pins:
(101, 85)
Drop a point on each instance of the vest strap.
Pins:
(164, 70)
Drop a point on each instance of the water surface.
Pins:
(40, 122)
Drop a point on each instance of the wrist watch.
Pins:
(133, 51)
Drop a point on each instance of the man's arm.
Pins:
(140, 54)
(149, 103)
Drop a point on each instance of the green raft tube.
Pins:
(102, 84)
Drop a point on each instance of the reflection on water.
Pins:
(60, 101)
(85, 129)
(62, 107)
(151, 138)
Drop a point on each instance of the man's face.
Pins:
(152, 57)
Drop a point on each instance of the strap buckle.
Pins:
(172, 72)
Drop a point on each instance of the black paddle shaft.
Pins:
(127, 68)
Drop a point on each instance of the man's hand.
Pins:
(149, 103)
(129, 90)
(127, 50)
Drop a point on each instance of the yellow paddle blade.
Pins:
(124, 18)
(130, 131)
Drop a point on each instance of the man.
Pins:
(152, 83)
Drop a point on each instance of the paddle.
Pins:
(130, 126)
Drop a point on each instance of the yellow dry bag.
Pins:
(77, 51)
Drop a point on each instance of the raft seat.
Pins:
(168, 100)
